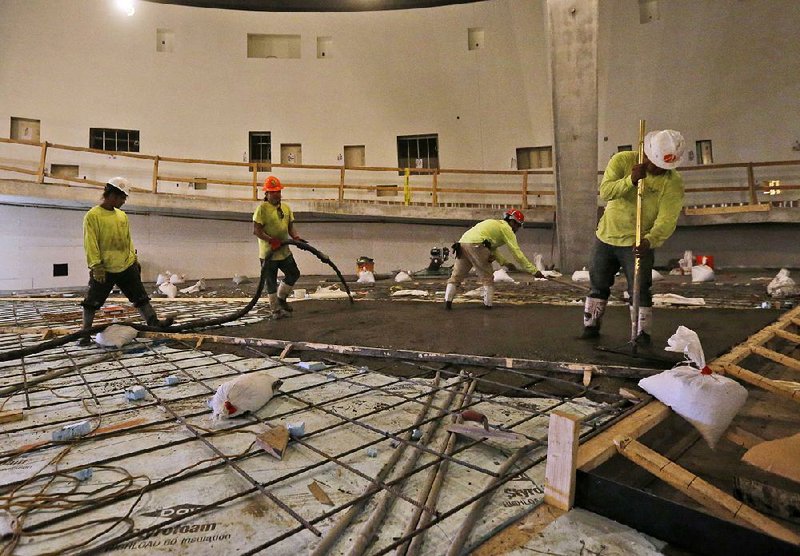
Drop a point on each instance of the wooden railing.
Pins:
(428, 186)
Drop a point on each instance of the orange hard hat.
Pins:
(272, 183)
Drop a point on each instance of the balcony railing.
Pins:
(713, 188)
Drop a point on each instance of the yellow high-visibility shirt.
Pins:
(499, 233)
(107, 239)
(662, 201)
(267, 215)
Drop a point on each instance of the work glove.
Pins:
(98, 274)
(638, 172)
(642, 249)
(274, 243)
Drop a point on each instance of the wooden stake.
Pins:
(562, 457)
(699, 490)
(320, 494)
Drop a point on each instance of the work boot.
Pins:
(88, 319)
(593, 310)
(284, 290)
(449, 295)
(488, 295)
(149, 315)
(645, 325)
(278, 312)
(590, 332)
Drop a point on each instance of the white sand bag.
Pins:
(707, 400)
(501, 275)
(329, 292)
(538, 261)
(409, 293)
(366, 277)
(782, 285)
(245, 393)
(177, 279)
(657, 276)
(702, 273)
(163, 277)
(402, 276)
(116, 335)
(781, 457)
(580, 275)
(550, 273)
(239, 279)
(169, 289)
(675, 299)
(199, 286)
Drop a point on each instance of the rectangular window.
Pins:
(120, 140)
(61, 269)
(534, 158)
(260, 146)
(273, 46)
(25, 129)
(704, 154)
(623, 148)
(418, 151)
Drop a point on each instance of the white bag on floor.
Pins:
(169, 289)
(500, 275)
(782, 285)
(245, 393)
(163, 277)
(402, 276)
(657, 276)
(116, 335)
(366, 277)
(707, 400)
(702, 273)
(198, 287)
(580, 275)
(177, 278)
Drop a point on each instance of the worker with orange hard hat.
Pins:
(273, 222)
(478, 248)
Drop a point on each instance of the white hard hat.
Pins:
(122, 184)
(665, 148)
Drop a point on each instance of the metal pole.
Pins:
(637, 269)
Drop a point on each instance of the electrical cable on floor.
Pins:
(200, 323)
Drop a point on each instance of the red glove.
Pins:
(274, 244)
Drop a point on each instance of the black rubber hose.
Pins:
(200, 323)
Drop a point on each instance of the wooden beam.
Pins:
(760, 381)
(784, 360)
(154, 182)
(600, 448)
(562, 457)
(699, 490)
(42, 163)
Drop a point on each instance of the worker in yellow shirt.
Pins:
(478, 248)
(112, 259)
(273, 222)
(614, 246)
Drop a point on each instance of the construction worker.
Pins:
(478, 248)
(273, 222)
(112, 258)
(614, 246)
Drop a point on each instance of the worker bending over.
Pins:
(112, 258)
(478, 248)
(614, 246)
(273, 222)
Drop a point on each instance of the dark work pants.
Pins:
(606, 262)
(290, 272)
(129, 281)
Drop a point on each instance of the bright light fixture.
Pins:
(126, 6)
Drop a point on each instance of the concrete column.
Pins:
(573, 27)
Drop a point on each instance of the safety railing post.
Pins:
(525, 190)
(435, 188)
(751, 184)
(341, 184)
(154, 184)
(42, 163)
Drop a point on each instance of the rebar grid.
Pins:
(312, 398)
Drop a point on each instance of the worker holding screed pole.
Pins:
(273, 222)
(478, 248)
(644, 196)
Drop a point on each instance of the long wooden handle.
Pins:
(637, 268)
